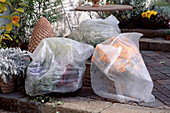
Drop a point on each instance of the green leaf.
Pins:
(1, 38)
(2, 27)
(15, 13)
(7, 2)
(17, 41)
(2, 6)
(20, 10)
(58, 103)
(8, 36)
(20, 37)
(50, 101)
(14, 37)
(35, 100)
(9, 27)
(25, 5)
(42, 101)
(5, 16)
(53, 105)
(16, 24)
(7, 32)
(162, 62)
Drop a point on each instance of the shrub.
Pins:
(15, 7)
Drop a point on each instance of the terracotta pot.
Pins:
(87, 78)
(95, 3)
(8, 87)
(168, 37)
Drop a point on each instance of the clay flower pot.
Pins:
(95, 3)
(168, 37)
(7, 87)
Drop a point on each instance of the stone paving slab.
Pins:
(124, 108)
(157, 103)
(85, 105)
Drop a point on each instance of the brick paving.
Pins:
(158, 64)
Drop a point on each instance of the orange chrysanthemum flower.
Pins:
(15, 19)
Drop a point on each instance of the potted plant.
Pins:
(154, 20)
(167, 33)
(13, 63)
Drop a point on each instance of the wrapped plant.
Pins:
(13, 63)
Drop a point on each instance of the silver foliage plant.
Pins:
(13, 62)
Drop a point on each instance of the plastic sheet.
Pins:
(119, 72)
(94, 31)
(58, 66)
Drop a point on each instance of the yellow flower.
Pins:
(144, 15)
(149, 15)
(148, 12)
(1, 10)
(154, 13)
(3, 1)
(15, 19)
(151, 12)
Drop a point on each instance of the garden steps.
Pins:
(157, 44)
(152, 40)
(150, 33)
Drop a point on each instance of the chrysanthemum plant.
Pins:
(15, 7)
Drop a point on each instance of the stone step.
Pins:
(16, 102)
(150, 33)
(154, 44)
